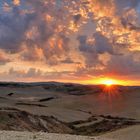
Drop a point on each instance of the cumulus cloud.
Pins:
(41, 25)
(88, 50)
(12, 29)
(30, 73)
(35, 74)
(123, 65)
(48, 31)
(92, 47)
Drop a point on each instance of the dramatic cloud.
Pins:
(71, 37)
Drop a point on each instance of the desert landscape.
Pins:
(66, 108)
(69, 69)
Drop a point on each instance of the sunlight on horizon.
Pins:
(107, 81)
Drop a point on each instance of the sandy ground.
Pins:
(130, 133)
(7, 135)
(69, 107)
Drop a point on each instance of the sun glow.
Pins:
(109, 82)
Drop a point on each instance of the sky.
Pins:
(70, 40)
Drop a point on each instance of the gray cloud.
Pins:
(126, 3)
(88, 51)
(68, 60)
(102, 44)
(12, 29)
(20, 75)
(123, 65)
(91, 50)
(30, 73)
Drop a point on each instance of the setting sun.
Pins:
(109, 82)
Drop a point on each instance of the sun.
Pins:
(109, 82)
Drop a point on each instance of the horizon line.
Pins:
(31, 82)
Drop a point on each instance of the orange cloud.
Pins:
(103, 35)
(16, 2)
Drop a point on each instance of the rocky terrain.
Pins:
(14, 119)
(129, 133)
